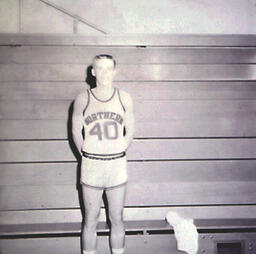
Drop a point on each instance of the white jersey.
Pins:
(104, 125)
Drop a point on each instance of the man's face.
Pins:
(104, 71)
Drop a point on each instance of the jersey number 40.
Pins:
(107, 130)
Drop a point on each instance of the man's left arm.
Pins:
(128, 117)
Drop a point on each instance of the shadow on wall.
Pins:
(91, 81)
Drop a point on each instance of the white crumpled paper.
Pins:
(185, 232)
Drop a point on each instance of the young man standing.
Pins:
(105, 115)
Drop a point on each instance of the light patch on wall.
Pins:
(133, 16)
(183, 16)
(9, 16)
(85, 29)
(38, 17)
(104, 14)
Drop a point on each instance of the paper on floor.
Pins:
(185, 232)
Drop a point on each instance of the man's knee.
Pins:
(91, 220)
(116, 219)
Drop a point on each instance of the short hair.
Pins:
(104, 56)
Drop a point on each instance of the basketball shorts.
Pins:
(103, 173)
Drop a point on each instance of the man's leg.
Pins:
(92, 198)
(116, 198)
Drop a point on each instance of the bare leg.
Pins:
(116, 198)
(92, 198)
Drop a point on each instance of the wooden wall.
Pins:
(194, 149)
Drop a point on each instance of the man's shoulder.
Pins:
(82, 97)
(125, 98)
(124, 95)
(83, 94)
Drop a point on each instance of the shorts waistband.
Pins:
(99, 157)
(104, 188)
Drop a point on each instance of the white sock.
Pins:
(118, 251)
(89, 252)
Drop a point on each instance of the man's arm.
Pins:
(77, 120)
(128, 117)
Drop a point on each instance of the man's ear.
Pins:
(93, 72)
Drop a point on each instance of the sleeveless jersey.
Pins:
(104, 125)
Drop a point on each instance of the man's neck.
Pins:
(103, 92)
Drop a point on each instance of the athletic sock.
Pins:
(89, 252)
(118, 251)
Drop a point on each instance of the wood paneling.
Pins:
(33, 129)
(131, 40)
(45, 174)
(170, 55)
(160, 91)
(155, 111)
(231, 115)
(36, 197)
(159, 193)
(41, 90)
(129, 72)
(156, 149)
(177, 183)
(130, 227)
(57, 129)
(130, 214)
(172, 110)
(194, 151)
(173, 118)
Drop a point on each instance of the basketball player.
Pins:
(105, 115)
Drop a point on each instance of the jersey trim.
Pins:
(119, 96)
(88, 101)
(103, 100)
(101, 156)
(98, 154)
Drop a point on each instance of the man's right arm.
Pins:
(77, 120)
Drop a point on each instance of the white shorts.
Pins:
(103, 173)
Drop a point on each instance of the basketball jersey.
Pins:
(104, 125)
